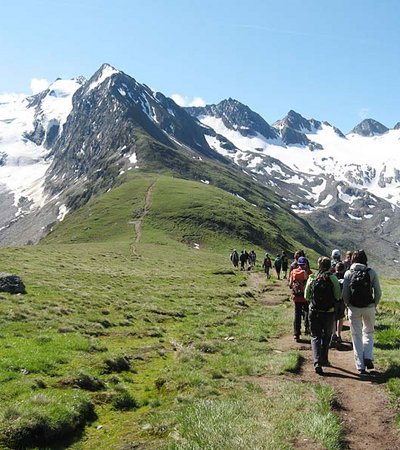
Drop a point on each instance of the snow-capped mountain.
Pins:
(75, 139)
(340, 182)
(62, 146)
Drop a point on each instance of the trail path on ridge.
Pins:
(364, 409)
(138, 221)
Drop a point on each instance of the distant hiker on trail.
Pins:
(278, 266)
(297, 282)
(347, 260)
(252, 258)
(335, 259)
(323, 291)
(361, 294)
(235, 258)
(340, 309)
(243, 259)
(285, 264)
(267, 265)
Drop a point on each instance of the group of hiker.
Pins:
(246, 259)
(321, 300)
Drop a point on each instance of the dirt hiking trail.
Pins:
(363, 407)
(140, 215)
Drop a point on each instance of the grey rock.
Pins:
(12, 284)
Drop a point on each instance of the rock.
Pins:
(12, 284)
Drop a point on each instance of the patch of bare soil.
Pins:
(138, 223)
(365, 411)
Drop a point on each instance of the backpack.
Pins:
(298, 288)
(322, 298)
(360, 288)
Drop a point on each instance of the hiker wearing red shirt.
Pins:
(297, 282)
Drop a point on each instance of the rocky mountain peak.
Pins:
(369, 127)
(297, 122)
(238, 117)
(397, 126)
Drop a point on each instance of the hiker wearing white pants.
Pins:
(362, 323)
(361, 293)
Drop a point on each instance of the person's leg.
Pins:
(327, 325)
(368, 318)
(297, 320)
(316, 337)
(306, 319)
(355, 319)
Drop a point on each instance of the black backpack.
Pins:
(360, 288)
(323, 298)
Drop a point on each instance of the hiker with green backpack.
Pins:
(361, 294)
(323, 292)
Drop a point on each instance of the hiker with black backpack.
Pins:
(278, 266)
(361, 294)
(297, 283)
(323, 292)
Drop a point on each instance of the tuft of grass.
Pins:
(41, 419)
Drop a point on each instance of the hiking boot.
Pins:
(296, 337)
(369, 364)
(339, 340)
(362, 372)
(319, 370)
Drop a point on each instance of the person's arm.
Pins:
(346, 288)
(307, 290)
(376, 287)
(336, 287)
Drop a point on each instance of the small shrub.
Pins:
(123, 401)
(116, 364)
(84, 381)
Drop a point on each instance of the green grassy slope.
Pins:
(124, 342)
(179, 210)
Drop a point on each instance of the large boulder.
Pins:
(11, 283)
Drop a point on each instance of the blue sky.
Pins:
(331, 60)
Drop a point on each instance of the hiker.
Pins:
(235, 258)
(361, 294)
(322, 291)
(335, 258)
(347, 260)
(267, 264)
(243, 259)
(297, 282)
(285, 264)
(278, 266)
(252, 258)
(297, 255)
(340, 308)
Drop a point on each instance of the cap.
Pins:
(336, 253)
(302, 261)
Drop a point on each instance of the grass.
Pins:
(388, 339)
(121, 343)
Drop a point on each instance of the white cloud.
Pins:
(364, 113)
(179, 99)
(39, 85)
(197, 101)
(182, 100)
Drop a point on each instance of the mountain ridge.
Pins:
(82, 136)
